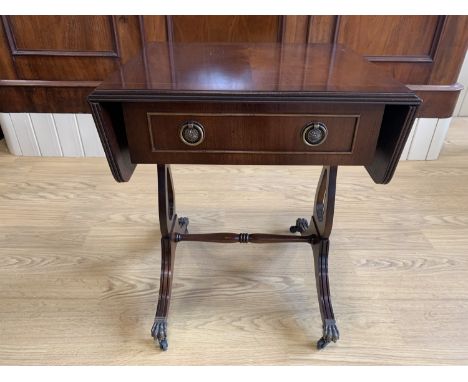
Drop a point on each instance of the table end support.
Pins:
(321, 225)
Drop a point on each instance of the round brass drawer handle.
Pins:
(314, 133)
(192, 133)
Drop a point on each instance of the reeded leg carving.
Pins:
(170, 225)
(159, 329)
(330, 330)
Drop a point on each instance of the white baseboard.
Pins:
(75, 135)
(46, 134)
(426, 139)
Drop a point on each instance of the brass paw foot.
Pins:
(330, 333)
(159, 332)
(301, 226)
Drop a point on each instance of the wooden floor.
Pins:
(79, 265)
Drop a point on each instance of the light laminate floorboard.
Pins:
(79, 265)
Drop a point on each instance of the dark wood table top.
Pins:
(253, 70)
(137, 106)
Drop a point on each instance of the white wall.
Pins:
(461, 109)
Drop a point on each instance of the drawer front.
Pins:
(254, 133)
(287, 134)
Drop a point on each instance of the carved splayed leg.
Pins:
(159, 329)
(170, 226)
(320, 230)
(174, 230)
(330, 329)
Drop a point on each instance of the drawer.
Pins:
(279, 134)
(246, 137)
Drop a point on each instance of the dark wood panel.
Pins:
(64, 68)
(123, 37)
(44, 99)
(405, 37)
(61, 35)
(405, 47)
(225, 28)
(154, 28)
(131, 32)
(7, 68)
(439, 101)
(407, 72)
(322, 29)
(295, 29)
(450, 51)
(128, 31)
(61, 83)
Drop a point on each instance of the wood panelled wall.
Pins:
(51, 63)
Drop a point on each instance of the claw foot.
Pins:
(301, 226)
(184, 222)
(330, 333)
(159, 332)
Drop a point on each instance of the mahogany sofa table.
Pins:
(252, 104)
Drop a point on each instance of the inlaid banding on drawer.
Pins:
(252, 133)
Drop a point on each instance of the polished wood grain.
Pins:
(65, 50)
(450, 51)
(79, 265)
(295, 29)
(61, 35)
(403, 37)
(254, 133)
(322, 29)
(423, 50)
(263, 83)
(439, 101)
(247, 69)
(225, 28)
(41, 98)
(7, 68)
(154, 28)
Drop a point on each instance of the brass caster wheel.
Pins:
(321, 343)
(163, 345)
